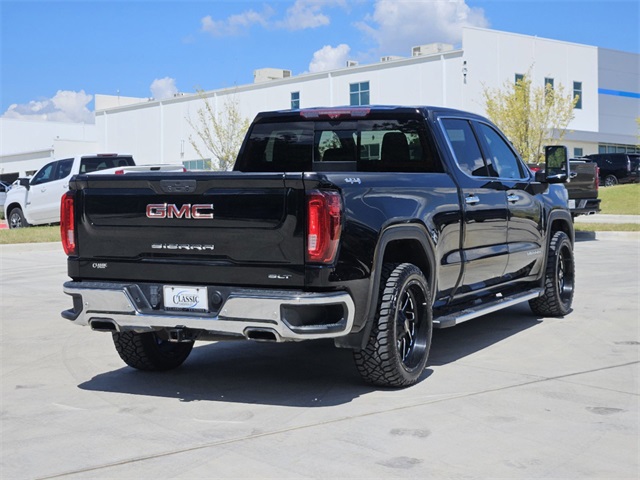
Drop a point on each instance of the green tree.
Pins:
(220, 133)
(531, 117)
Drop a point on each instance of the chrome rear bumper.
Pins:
(287, 315)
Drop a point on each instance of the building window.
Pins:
(201, 164)
(359, 93)
(548, 83)
(519, 77)
(548, 87)
(609, 148)
(578, 152)
(577, 92)
(295, 100)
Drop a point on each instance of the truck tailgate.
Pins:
(583, 180)
(205, 228)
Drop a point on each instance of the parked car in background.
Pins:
(617, 167)
(4, 188)
(582, 187)
(36, 201)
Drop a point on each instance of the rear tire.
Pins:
(16, 218)
(610, 181)
(147, 351)
(559, 280)
(398, 346)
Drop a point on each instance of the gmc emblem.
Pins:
(169, 210)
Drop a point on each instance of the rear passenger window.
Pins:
(465, 147)
(64, 168)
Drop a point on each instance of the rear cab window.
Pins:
(384, 144)
(94, 164)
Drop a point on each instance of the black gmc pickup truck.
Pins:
(367, 225)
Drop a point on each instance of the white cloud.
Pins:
(329, 58)
(398, 25)
(302, 15)
(236, 24)
(163, 88)
(305, 14)
(64, 106)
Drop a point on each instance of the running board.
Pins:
(470, 313)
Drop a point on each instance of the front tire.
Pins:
(16, 218)
(147, 351)
(398, 346)
(559, 280)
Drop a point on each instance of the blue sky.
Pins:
(55, 56)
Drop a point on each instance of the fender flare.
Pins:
(407, 231)
(563, 217)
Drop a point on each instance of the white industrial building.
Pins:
(607, 81)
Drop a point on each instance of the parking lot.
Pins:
(505, 396)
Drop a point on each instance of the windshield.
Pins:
(395, 145)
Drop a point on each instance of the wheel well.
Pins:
(12, 206)
(408, 251)
(561, 226)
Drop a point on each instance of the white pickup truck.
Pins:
(37, 201)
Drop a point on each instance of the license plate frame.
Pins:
(182, 298)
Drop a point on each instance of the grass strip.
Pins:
(607, 227)
(30, 235)
(620, 199)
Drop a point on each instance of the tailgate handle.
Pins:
(178, 186)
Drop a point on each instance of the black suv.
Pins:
(617, 167)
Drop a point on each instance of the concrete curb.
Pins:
(607, 235)
(608, 219)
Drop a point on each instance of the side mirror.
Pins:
(556, 161)
(24, 182)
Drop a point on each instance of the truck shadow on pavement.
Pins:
(305, 374)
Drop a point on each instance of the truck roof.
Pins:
(346, 111)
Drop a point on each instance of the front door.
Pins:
(47, 188)
(524, 235)
(485, 212)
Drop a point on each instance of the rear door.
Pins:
(226, 228)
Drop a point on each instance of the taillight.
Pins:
(597, 178)
(68, 223)
(119, 172)
(324, 218)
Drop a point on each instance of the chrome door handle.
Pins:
(513, 198)
(471, 200)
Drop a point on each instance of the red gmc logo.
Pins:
(197, 211)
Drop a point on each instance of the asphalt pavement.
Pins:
(509, 395)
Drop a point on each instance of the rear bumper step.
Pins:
(286, 315)
(452, 319)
